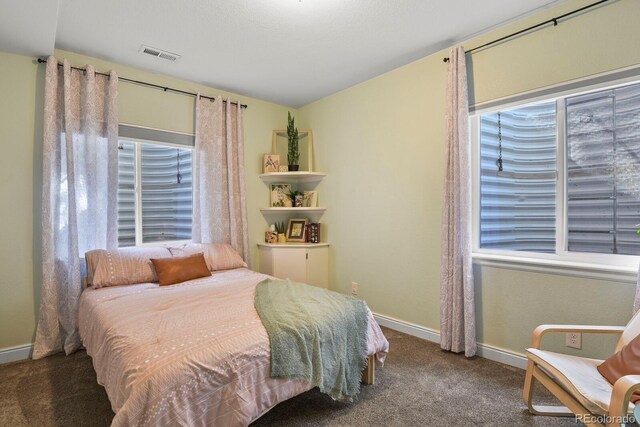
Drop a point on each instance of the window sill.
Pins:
(612, 273)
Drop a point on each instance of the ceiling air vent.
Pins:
(158, 53)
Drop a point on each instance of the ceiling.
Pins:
(291, 52)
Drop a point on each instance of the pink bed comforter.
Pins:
(191, 354)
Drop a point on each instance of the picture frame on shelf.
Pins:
(297, 230)
(280, 196)
(310, 199)
(271, 163)
(313, 233)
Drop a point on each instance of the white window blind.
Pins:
(517, 205)
(603, 171)
(166, 193)
(154, 193)
(126, 194)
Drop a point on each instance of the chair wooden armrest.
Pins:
(541, 330)
(622, 391)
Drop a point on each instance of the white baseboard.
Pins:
(12, 354)
(487, 351)
(408, 328)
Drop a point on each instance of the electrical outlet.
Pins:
(574, 340)
(354, 288)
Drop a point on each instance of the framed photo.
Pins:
(310, 199)
(296, 230)
(271, 163)
(280, 196)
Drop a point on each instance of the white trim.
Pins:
(562, 205)
(501, 355)
(156, 129)
(613, 273)
(13, 354)
(474, 139)
(408, 328)
(138, 191)
(486, 351)
(140, 141)
(293, 245)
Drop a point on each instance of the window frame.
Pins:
(138, 185)
(615, 267)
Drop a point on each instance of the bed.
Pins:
(194, 353)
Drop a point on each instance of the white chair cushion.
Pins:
(579, 376)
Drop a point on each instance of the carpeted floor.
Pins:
(419, 385)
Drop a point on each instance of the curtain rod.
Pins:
(139, 82)
(533, 27)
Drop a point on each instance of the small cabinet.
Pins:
(307, 263)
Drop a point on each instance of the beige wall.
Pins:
(18, 89)
(382, 144)
(21, 88)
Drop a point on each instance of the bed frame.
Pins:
(369, 373)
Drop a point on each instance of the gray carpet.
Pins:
(419, 385)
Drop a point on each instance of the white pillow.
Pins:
(219, 256)
(124, 266)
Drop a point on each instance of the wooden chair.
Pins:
(576, 382)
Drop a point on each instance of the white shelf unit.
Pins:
(306, 263)
(293, 245)
(300, 262)
(292, 177)
(293, 210)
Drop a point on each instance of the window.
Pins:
(603, 171)
(560, 177)
(154, 192)
(518, 204)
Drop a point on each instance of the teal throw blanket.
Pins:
(316, 335)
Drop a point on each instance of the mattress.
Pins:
(191, 354)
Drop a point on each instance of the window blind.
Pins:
(166, 193)
(126, 194)
(517, 205)
(603, 171)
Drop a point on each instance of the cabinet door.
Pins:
(318, 267)
(290, 263)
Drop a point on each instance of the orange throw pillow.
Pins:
(624, 362)
(180, 269)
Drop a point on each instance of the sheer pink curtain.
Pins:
(219, 201)
(457, 310)
(79, 193)
(636, 302)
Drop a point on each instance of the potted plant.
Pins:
(297, 198)
(282, 238)
(293, 154)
